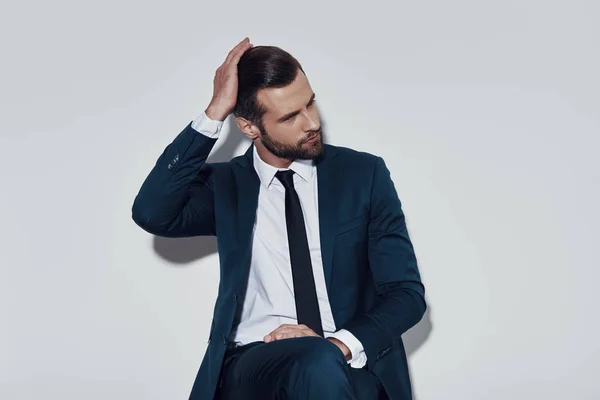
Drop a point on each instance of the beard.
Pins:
(294, 151)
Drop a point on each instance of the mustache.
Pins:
(314, 135)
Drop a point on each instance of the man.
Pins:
(319, 279)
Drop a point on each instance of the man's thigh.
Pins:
(262, 370)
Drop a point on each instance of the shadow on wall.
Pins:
(415, 337)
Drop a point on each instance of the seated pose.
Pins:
(319, 278)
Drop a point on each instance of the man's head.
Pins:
(275, 104)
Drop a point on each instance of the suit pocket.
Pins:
(352, 223)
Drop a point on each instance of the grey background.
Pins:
(487, 114)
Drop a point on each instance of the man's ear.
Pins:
(248, 128)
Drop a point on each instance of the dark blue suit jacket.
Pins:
(371, 271)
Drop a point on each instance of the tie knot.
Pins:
(286, 178)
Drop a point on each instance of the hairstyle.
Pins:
(262, 67)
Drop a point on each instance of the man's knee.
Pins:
(318, 356)
(318, 369)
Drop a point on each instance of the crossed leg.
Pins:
(303, 368)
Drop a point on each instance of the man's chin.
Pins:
(314, 151)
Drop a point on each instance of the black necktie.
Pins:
(305, 294)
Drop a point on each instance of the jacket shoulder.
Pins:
(348, 154)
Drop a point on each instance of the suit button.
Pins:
(224, 340)
(235, 296)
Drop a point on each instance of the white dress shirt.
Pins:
(269, 300)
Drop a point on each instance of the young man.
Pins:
(319, 279)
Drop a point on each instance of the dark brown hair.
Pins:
(262, 67)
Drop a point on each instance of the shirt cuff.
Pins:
(206, 126)
(359, 357)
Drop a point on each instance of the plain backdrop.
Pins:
(486, 112)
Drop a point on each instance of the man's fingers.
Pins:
(289, 330)
(278, 336)
(232, 51)
(235, 53)
(238, 54)
(236, 58)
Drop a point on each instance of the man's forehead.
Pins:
(285, 99)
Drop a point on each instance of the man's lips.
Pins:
(314, 138)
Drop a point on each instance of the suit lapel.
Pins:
(248, 185)
(328, 180)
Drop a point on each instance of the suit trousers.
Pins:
(302, 368)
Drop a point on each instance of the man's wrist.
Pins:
(215, 114)
(342, 346)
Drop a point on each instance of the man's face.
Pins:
(291, 121)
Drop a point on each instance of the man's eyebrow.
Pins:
(291, 114)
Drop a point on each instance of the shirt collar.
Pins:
(266, 172)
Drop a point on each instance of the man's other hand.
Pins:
(286, 331)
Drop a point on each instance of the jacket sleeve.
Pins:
(177, 198)
(401, 295)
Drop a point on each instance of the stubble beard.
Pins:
(293, 151)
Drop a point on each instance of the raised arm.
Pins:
(177, 197)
